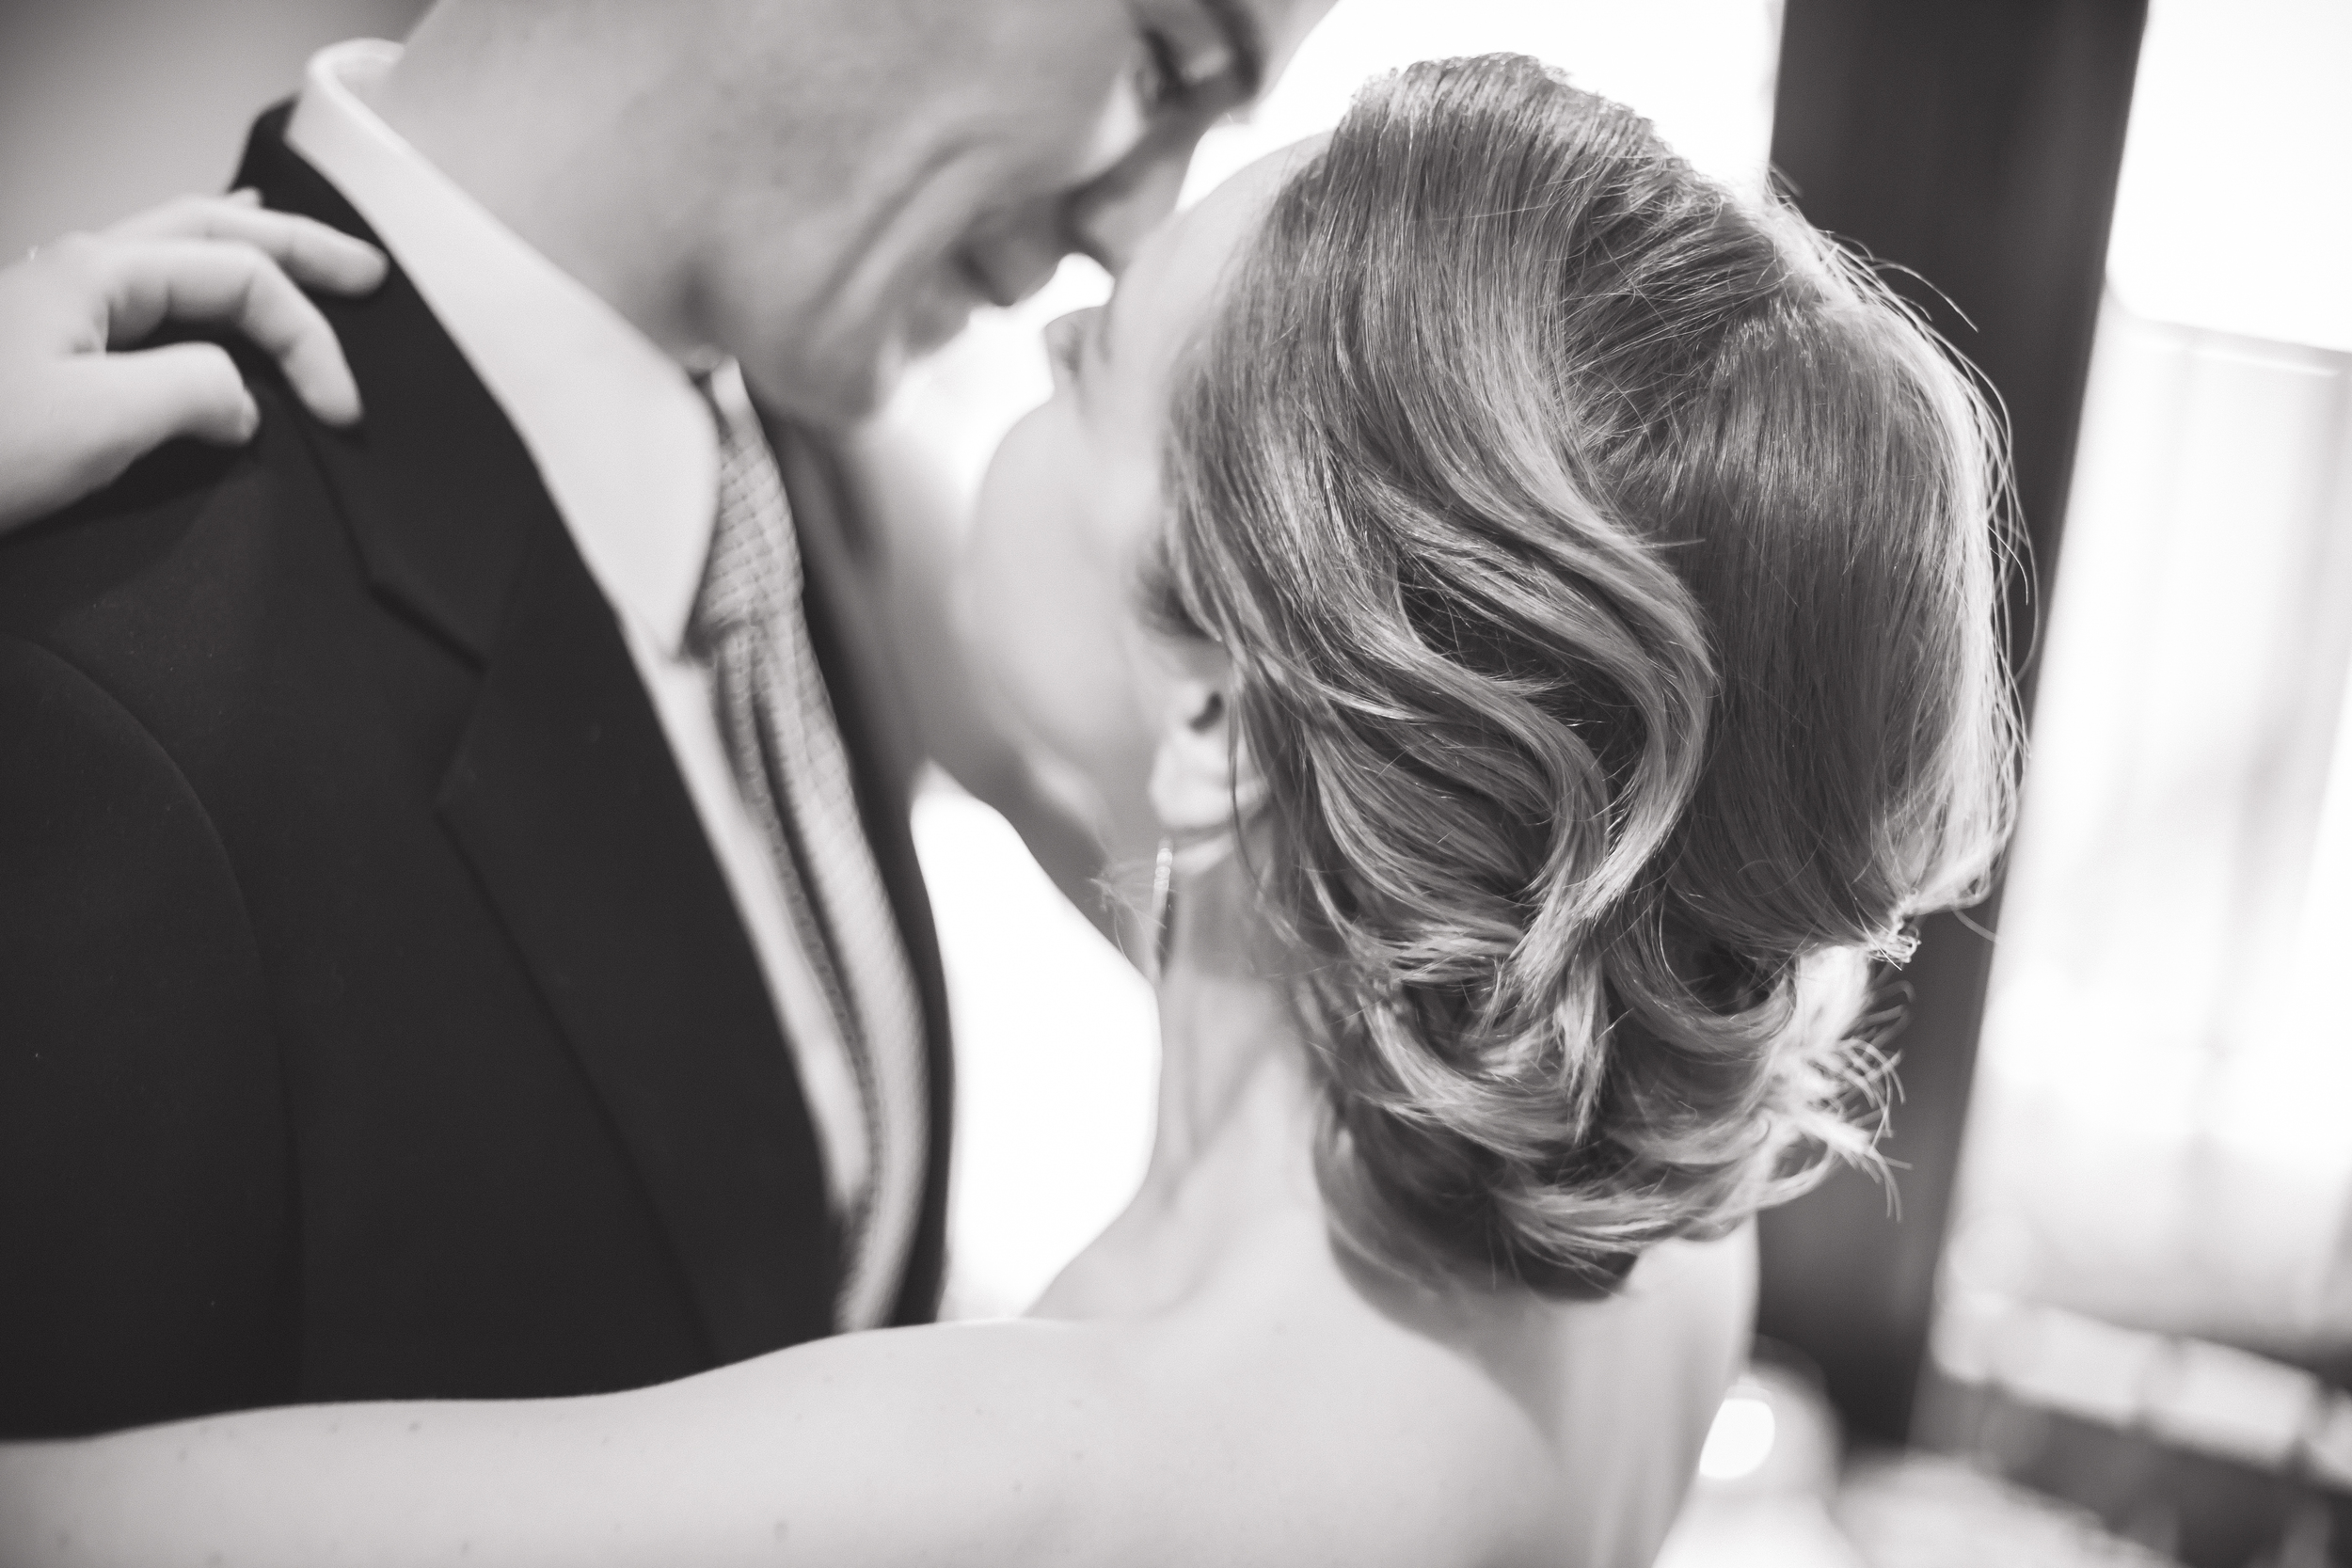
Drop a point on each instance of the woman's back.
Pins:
(1475, 1424)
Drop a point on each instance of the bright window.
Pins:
(2162, 1134)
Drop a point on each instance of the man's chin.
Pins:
(845, 385)
(829, 395)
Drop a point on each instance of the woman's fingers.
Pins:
(76, 410)
(311, 253)
(147, 282)
(97, 414)
(191, 389)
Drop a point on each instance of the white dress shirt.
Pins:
(627, 448)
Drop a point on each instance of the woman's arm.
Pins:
(903, 1447)
(1243, 1431)
(1247, 1396)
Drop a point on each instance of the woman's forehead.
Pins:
(1168, 290)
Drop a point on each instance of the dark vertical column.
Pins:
(1974, 143)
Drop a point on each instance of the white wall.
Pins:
(109, 106)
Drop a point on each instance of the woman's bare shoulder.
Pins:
(1340, 1416)
(1641, 1376)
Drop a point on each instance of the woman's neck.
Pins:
(1228, 1022)
(1232, 1145)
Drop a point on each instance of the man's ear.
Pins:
(1201, 777)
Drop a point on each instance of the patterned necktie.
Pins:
(777, 724)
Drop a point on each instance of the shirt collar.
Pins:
(624, 442)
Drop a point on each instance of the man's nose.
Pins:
(1017, 254)
(1105, 219)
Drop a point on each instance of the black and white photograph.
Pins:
(1176, 784)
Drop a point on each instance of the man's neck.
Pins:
(525, 126)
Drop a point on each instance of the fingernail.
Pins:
(340, 408)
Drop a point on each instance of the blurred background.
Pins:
(2105, 1314)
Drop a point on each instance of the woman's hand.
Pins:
(76, 410)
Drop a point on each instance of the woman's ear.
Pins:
(1201, 777)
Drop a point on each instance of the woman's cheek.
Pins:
(1048, 594)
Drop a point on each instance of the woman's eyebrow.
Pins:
(1245, 42)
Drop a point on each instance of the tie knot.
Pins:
(753, 573)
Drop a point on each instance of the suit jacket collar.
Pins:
(444, 552)
(619, 434)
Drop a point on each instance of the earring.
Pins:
(1162, 906)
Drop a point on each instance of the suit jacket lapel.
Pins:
(564, 797)
(439, 491)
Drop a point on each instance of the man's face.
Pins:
(927, 156)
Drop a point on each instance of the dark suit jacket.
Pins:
(375, 1021)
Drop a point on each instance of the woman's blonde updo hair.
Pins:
(1608, 565)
